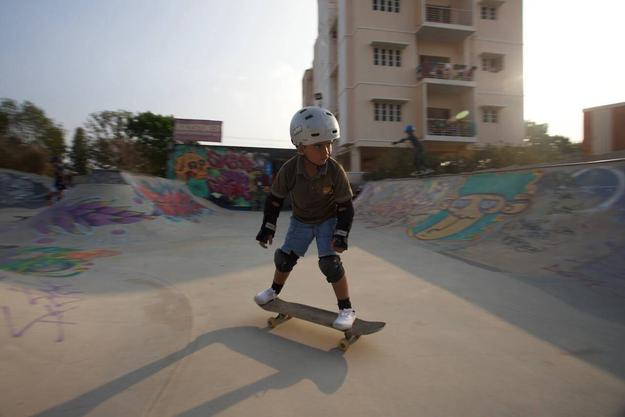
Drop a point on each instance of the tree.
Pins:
(153, 134)
(28, 137)
(109, 144)
(548, 148)
(535, 133)
(29, 124)
(79, 153)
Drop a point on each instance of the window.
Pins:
(386, 5)
(492, 62)
(488, 13)
(387, 57)
(387, 112)
(490, 115)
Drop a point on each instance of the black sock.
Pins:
(343, 304)
(277, 287)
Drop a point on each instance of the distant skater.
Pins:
(419, 153)
(59, 180)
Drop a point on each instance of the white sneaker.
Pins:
(265, 296)
(345, 319)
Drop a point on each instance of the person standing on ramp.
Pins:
(321, 198)
(419, 152)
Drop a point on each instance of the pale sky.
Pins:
(242, 61)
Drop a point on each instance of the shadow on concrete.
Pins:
(293, 361)
(583, 324)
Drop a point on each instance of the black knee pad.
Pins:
(332, 268)
(285, 261)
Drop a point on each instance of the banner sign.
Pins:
(193, 130)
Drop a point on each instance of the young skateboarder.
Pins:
(419, 153)
(321, 198)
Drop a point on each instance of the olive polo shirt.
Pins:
(313, 199)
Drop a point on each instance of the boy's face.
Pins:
(318, 153)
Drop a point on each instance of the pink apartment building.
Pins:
(382, 64)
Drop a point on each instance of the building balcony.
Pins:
(446, 71)
(445, 23)
(453, 131)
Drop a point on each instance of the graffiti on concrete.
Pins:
(169, 199)
(228, 177)
(81, 216)
(49, 261)
(565, 220)
(21, 191)
(401, 202)
(588, 190)
(46, 304)
(481, 202)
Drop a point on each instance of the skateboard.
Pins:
(420, 174)
(287, 310)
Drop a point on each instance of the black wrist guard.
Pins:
(265, 232)
(344, 218)
(340, 242)
(273, 205)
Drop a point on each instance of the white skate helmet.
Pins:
(312, 125)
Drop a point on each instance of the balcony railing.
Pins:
(444, 14)
(443, 127)
(445, 71)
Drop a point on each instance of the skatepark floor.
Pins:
(166, 326)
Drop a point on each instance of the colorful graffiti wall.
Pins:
(236, 178)
(568, 220)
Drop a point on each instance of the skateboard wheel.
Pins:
(272, 322)
(344, 345)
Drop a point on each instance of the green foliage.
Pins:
(109, 145)
(109, 139)
(394, 163)
(134, 142)
(28, 137)
(23, 157)
(79, 153)
(153, 135)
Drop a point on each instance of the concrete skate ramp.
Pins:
(143, 208)
(136, 299)
(562, 220)
(24, 190)
(103, 220)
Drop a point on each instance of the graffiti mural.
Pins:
(577, 219)
(400, 202)
(81, 216)
(45, 305)
(21, 191)
(169, 199)
(49, 261)
(478, 204)
(232, 178)
(563, 220)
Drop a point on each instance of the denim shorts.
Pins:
(300, 235)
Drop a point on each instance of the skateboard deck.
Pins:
(420, 174)
(287, 310)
